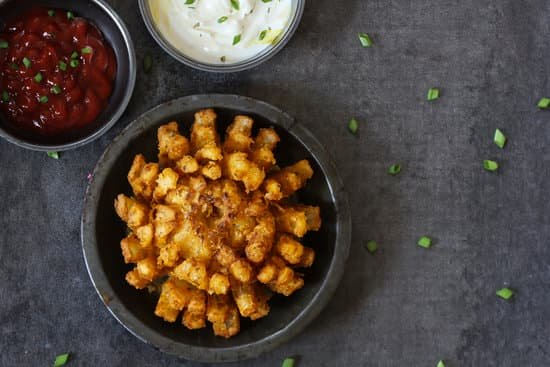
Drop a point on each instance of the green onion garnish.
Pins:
(4, 44)
(222, 19)
(353, 126)
(433, 93)
(394, 169)
(288, 362)
(27, 62)
(266, 1)
(74, 55)
(365, 39)
(372, 246)
(189, 2)
(61, 359)
(43, 99)
(236, 39)
(440, 364)
(56, 89)
(235, 4)
(70, 15)
(490, 165)
(51, 13)
(14, 66)
(86, 50)
(425, 242)
(544, 103)
(62, 66)
(74, 63)
(38, 77)
(262, 35)
(499, 139)
(505, 293)
(147, 63)
(5, 96)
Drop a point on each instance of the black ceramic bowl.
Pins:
(102, 231)
(111, 25)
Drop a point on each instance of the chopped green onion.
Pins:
(43, 99)
(147, 62)
(61, 359)
(27, 62)
(499, 139)
(544, 103)
(394, 169)
(51, 13)
(38, 77)
(62, 66)
(74, 55)
(263, 34)
(222, 19)
(353, 126)
(425, 242)
(74, 63)
(86, 50)
(56, 89)
(4, 44)
(5, 96)
(14, 66)
(288, 362)
(235, 4)
(372, 246)
(440, 364)
(433, 94)
(236, 39)
(490, 165)
(365, 39)
(505, 293)
(189, 2)
(70, 15)
(266, 1)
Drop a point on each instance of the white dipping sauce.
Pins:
(215, 32)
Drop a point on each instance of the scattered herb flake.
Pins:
(189, 2)
(222, 19)
(74, 63)
(372, 246)
(74, 55)
(43, 99)
(27, 62)
(61, 359)
(425, 242)
(262, 34)
(38, 77)
(394, 169)
(62, 66)
(235, 4)
(353, 126)
(56, 89)
(544, 103)
(433, 94)
(499, 139)
(86, 50)
(288, 362)
(440, 364)
(505, 293)
(51, 13)
(266, 1)
(5, 96)
(54, 155)
(365, 40)
(70, 15)
(236, 39)
(4, 44)
(490, 165)
(147, 63)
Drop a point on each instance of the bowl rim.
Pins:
(132, 70)
(208, 354)
(230, 68)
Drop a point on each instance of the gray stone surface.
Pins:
(404, 306)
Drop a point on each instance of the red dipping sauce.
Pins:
(56, 71)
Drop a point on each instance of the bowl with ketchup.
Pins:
(67, 72)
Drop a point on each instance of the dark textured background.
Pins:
(405, 306)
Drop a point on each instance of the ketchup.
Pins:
(56, 71)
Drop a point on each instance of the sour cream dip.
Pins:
(221, 31)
